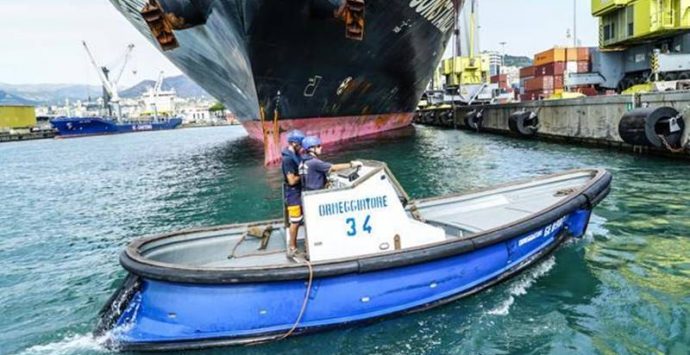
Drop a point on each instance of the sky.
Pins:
(532, 26)
(40, 40)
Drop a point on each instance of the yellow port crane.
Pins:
(467, 66)
(463, 78)
(624, 23)
(641, 42)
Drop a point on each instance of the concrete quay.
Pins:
(589, 120)
(25, 135)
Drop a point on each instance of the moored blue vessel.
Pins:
(90, 126)
(221, 286)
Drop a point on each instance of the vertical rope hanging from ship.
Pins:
(266, 132)
(276, 130)
(262, 119)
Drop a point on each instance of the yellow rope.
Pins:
(262, 118)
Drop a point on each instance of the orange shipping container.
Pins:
(536, 95)
(571, 54)
(539, 83)
(551, 56)
(583, 67)
(550, 69)
(526, 72)
(587, 91)
(497, 79)
(583, 54)
(526, 97)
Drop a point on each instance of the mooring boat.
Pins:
(371, 253)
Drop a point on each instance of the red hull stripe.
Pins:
(329, 129)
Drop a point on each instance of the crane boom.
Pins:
(101, 74)
(159, 84)
(128, 55)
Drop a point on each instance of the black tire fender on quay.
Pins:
(524, 123)
(652, 126)
(474, 120)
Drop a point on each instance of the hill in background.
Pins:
(7, 99)
(51, 94)
(517, 61)
(184, 87)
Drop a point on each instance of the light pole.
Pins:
(574, 23)
(503, 55)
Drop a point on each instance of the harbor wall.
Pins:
(589, 120)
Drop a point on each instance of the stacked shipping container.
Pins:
(501, 80)
(546, 76)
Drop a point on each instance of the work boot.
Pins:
(295, 254)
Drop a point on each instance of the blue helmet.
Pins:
(310, 142)
(295, 136)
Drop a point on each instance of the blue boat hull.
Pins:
(90, 126)
(162, 315)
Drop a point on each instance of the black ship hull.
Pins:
(298, 62)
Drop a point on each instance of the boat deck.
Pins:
(247, 252)
(459, 216)
(475, 214)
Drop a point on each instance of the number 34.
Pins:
(352, 223)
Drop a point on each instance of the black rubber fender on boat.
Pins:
(474, 120)
(524, 123)
(116, 304)
(652, 126)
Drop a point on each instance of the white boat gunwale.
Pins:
(587, 196)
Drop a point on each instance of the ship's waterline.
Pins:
(329, 129)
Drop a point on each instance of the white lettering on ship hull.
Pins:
(543, 232)
(441, 13)
(142, 127)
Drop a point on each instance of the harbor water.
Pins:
(70, 206)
